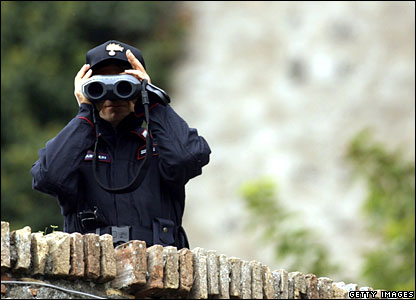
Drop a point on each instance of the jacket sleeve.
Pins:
(182, 152)
(55, 172)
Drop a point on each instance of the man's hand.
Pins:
(83, 75)
(138, 70)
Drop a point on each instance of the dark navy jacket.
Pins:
(154, 211)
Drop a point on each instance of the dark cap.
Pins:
(112, 52)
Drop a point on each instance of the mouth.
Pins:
(114, 105)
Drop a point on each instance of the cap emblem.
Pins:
(112, 48)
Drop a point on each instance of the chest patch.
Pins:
(141, 152)
(103, 157)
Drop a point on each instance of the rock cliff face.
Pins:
(280, 89)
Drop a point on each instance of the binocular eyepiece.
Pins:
(120, 87)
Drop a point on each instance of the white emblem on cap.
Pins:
(112, 48)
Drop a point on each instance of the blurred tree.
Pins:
(390, 210)
(292, 242)
(43, 45)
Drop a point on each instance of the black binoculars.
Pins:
(120, 87)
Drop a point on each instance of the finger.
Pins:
(135, 72)
(88, 74)
(82, 71)
(139, 74)
(135, 63)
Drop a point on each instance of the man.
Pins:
(152, 212)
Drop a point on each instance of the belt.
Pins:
(163, 231)
(123, 234)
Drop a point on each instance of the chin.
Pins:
(114, 115)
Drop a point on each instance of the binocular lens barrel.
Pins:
(95, 90)
(123, 89)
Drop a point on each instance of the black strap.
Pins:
(142, 171)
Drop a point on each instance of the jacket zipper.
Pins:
(112, 174)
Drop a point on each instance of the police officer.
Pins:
(152, 212)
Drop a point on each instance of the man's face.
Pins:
(113, 111)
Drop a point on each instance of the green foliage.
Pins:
(297, 244)
(53, 229)
(43, 45)
(390, 210)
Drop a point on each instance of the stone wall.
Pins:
(34, 265)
